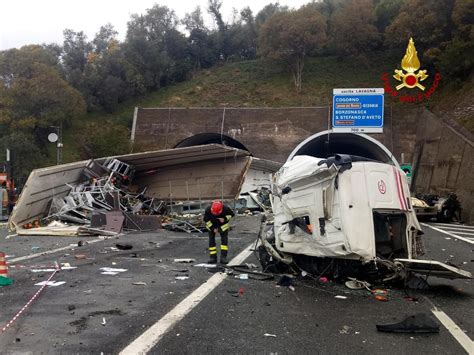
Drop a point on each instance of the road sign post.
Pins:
(358, 110)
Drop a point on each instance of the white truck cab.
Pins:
(342, 202)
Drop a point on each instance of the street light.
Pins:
(57, 138)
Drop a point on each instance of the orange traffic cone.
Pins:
(3, 266)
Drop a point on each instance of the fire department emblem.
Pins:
(410, 76)
(382, 187)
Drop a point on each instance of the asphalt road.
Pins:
(94, 313)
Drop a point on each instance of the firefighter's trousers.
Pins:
(224, 243)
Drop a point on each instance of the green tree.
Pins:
(244, 36)
(456, 59)
(201, 49)
(148, 46)
(267, 12)
(222, 38)
(25, 154)
(352, 28)
(104, 139)
(33, 92)
(427, 21)
(292, 36)
(33, 97)
(386, 11)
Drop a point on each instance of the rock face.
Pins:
(442, 152)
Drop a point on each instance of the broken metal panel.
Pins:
(40, 188)
(223, 166)
(210, 179)
(147, 161)
(259, 175)
(434, 268)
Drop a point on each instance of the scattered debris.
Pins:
(184, 260)
(340, 297)
(242, 276)
(418, 323)
(417, 283)
(269, 335)
(181, 277)
(233, 293)
(50, 283)
(103, 321)
(111, 271)
(139, 283)
(80, 256)
(51, 269)
(285, 281)
(5, 281)
(205, 265)
(344, 330)
(380, 295)
(124, 246)
(238, 293)
(411, 299)
(355, 284)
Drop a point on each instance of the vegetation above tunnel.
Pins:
(277, 57)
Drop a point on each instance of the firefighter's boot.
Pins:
(224, 259)
(212, 259)
(224, 249)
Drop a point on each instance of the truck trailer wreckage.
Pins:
(98, 197)
(342, 207)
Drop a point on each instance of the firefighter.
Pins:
(217, 217)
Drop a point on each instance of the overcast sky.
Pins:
(43, 21)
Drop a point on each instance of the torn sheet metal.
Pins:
(205, 180)
(435, 268)
(67, 231)
(259, 174)
(190, 173)
(41, 187)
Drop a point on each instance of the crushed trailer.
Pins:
(127, 188)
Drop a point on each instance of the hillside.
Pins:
(261, 84)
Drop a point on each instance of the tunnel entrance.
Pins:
(359, 146)
(211, 138)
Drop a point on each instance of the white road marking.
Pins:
(453, 225)
(448, 233)
(455, 331)
(455, 228)
(458, 232)
(155, 333)
(31, 256)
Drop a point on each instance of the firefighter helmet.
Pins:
(216, 208)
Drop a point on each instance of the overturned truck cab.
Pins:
(342, 207)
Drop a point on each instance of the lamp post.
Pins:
(57, 138)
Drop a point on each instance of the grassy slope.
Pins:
(254, 84)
